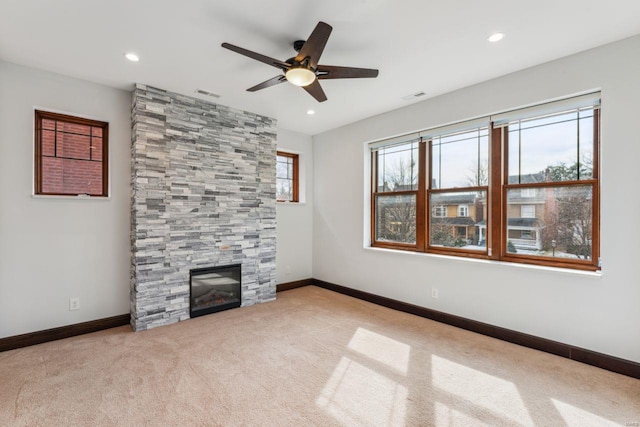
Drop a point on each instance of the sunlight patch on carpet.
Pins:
(575, 416)
(380, 348)
(447, 416)
(495, 395)
(358, 396)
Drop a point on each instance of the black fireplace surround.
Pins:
(214, 289)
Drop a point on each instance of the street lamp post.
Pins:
(553, 245)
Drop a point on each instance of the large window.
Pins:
(521, 186)
(71, 155)
(287, 177)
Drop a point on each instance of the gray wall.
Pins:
(56, 248)
(594, 311)
(203, 195)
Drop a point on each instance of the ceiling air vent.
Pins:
(207, 93)
(413, 96)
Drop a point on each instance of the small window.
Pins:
(527, 211)
(463, 211)
(70, 155)
(439, 211)
(287, 177)
(528, 192)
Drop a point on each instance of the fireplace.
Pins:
(214, 289)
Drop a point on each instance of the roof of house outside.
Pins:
(466, 221)
(454, 199)
(518, 222)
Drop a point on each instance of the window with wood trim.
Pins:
(287, 177)
(521, 186)
(395, 198)
(556, 156)
(71, 155)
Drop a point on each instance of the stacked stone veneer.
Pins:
(203, 194)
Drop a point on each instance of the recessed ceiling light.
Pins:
(496, 37)
(132, 57)
(310, 112)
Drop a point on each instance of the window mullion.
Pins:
(421, 198)
(495, 227)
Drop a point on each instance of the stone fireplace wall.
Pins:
(203, 194)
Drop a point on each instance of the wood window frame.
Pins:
(592, 264)
(295, 178)
(447, 250)
(420, 195)
(39, 116)
(496, 205)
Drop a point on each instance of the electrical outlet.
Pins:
(434, 293)
(74, 304)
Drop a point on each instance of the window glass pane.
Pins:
(586, 144)
(396, 218)
(467, 231)
(96, 132)
(284, 189)
(282, 167)
(460, 160)
(286, 179)
(398, 167)
(561, 227)
(73, 146)
(96, 149)
(48, 124)
(48, 143)
(74, 128)
(551, 149)
(65, 176)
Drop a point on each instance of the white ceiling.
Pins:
(434, 46)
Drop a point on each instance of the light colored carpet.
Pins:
(313, 357)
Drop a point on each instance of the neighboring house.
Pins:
(456, 215)
(460, 218)
(527, 209)
(525, 218)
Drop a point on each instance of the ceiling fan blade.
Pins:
(258, 57)
(332, 72)
(315, 44)
(271, 82)
(315, 90)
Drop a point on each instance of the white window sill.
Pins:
(568, 271)
(279, 203)
(83, 197)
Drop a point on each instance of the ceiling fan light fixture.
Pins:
(300, 76)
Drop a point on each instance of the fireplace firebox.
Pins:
(214, 289)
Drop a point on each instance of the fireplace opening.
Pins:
(214, 289)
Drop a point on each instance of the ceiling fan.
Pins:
(303, 69)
